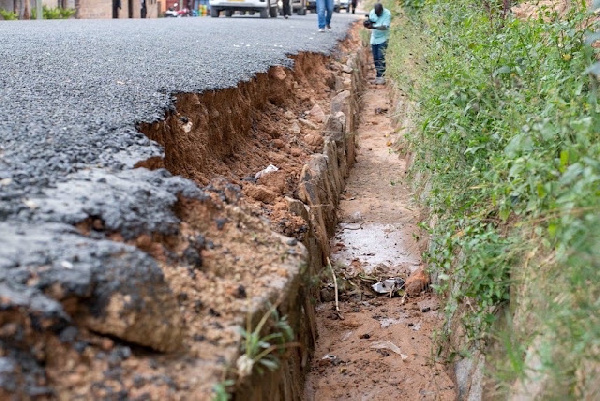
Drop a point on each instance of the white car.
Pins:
(266, 8)
(344, 5)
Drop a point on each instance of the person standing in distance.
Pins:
(287, 8)
(324, 13)
(381, 19)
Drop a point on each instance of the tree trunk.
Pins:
(27, 10)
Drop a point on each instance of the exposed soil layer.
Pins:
(154, 311)
(275, 119)
(377, 347)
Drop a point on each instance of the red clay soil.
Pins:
(377, 347)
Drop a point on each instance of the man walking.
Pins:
(324, 13)
(287, 8)
(381, 19)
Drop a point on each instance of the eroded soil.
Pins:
(377, 347)
(218, 259)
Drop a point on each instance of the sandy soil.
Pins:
(376, 347)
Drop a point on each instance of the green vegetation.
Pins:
(260, 350)
(221, 392)
(7, 15)
(49, 13)
(54, 13)
(507, 153)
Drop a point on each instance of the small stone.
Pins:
(416, 283)
(308, 123)
(365, 336)
(327, 295)
(107, 344)
(295, 128)
(317, 113)
(313, 139)
(241, 292)
(98, 225)
(68, 335)
(278, 73)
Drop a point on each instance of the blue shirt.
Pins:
(378, 37)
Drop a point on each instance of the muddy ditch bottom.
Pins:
(370, 346)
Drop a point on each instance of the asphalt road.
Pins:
(65, 84)
(71, 94)
(72, 91)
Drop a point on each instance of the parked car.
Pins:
(311, 5)
(266, 8)
(345, 5)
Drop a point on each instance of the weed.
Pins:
(262, 350)
(221, 392)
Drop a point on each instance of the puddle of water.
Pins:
(375, 244)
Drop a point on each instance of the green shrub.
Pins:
(7, 15)
(508, 140)
(54, 13)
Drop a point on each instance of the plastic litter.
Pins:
(388, 286)
(269, 169)
(391, 346)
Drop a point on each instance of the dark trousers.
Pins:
(287, 7)
(379, 58)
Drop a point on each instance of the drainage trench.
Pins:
(277, 147)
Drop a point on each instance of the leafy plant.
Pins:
(8, 15)
(508, 142)
(54, 13)
(221, 392)
(262, 350)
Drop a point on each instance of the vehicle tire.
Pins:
(264, 13)
(214, 13)
(228, 13)
(302, 11)
(273, 12)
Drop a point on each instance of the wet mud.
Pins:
(377, 346)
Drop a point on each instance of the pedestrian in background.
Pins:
(380, 19)
(354, 4)
(324, 13)
(287, 8)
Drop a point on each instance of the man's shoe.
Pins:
(328, 27)
(321, 30)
